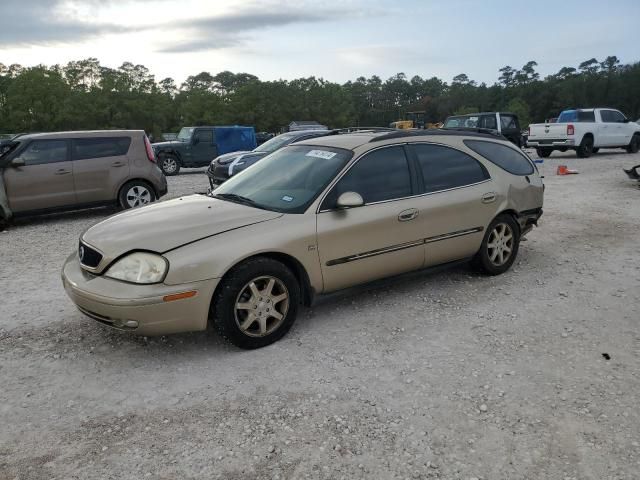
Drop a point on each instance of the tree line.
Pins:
(85, 95)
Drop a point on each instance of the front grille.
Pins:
(88, 256)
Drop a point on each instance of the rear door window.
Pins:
(505, 157)
(444, 168)
(204, 136)
(99, 147)
(508, 122)
(378, 176)
(488, 121)
(40, 152)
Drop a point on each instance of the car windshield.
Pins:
(276, 143)
(462, 122)
(185, 134)
(288, 180)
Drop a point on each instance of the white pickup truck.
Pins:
(585, 130)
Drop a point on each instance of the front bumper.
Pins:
(542, 143)
(139, 309)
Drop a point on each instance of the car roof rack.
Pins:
(337, 131)
(460, 132)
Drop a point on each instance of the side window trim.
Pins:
(348, 168)
(423, 187)
(24, 148)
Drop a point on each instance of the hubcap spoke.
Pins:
(254, 290)
(244, 306)
(279, 298)
(269, 288)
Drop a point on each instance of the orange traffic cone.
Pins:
(563, 170)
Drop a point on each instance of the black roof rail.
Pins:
(337, 131)
(458, 132)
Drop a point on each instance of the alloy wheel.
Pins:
(169, 165)
(138, 196)
(500, 244)
(261, 306)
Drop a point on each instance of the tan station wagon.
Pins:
(314, 217)
(47, 172)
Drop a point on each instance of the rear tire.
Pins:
(136, 194)
(586, 147)
(169, 164)
(634, 145)
(3, 224)
(543, 152)
(595, 150)
(499, 246)
(256, 303)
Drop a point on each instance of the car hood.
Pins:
(227, 158)
(163, 226)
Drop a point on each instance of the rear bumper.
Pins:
(550, 143)
(528, 219)
(139, 309)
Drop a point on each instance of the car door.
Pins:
(44, 181)
(204, 146)
(380, 238)
(459, 202)
(608, 129)
(510, 128)
(623, 130)
(100, 166)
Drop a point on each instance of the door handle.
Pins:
(117, 164)
(406, 215)
(489, 197)
(62, 171)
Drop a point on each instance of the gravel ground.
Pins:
(450, 375)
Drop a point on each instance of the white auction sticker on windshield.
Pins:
(321, 154)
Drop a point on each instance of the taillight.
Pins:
(570, 130)
(147, 145)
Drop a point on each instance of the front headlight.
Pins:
(139, 267)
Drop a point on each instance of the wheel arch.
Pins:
(173, 152)
(511, 212)
(291, 263)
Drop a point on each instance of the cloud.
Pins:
(29, 22)
(228, 30)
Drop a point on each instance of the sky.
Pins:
(335, 40)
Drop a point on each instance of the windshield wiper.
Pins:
(238, 199)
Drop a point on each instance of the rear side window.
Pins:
(40, 152)
(508, 122)
(503, 156)
(380, 175)
(204, 136)
(488, 121)
(99, 147)
(444, 168)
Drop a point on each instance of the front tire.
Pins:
(256, 303)
(634, 145)
(169, 164)
(499, 246)
(586, 147)
(135, 194)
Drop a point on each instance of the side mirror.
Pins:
(626, 120)
(350, 200)
(18, 162)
